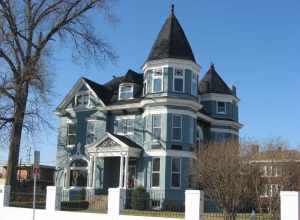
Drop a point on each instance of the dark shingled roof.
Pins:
(213, 83)
(171, 42)
(108, 92)
(127, 141)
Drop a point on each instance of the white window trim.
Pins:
(196, 75)
(221, 112)
(131, 90)
(94, 132)
(161, 77)
(70, 145)
(87, 92)
(155, 187)
(152, 127)
(171, 184)
(179, 77)
(181, 119)
(126, 117)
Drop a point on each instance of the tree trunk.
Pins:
(15, 135)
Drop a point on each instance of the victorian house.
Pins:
(143, 128)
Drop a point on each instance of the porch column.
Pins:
(94, 173)
(126, 172)
(121, 171)
(91, 171)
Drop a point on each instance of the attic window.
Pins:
(125, 91)
(82, 99)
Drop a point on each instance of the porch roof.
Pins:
(112, 145)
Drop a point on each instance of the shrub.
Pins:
(139, 199)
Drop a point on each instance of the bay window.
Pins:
(178, 81)
(175, 172)
(194, 86)
(157, 81)
(156, 127)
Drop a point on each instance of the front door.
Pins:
(131, 176)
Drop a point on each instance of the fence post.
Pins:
(290, 205)
(116, 198)
(4, 195)
(53, 198)
(194, 204)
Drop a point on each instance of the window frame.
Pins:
(83, 94)
(131, 85)
(218, 109)
(194, 80)
(181, 125)
(94, 131)
(125, 119)
(176, 173)
(155, 172)
(155, 76)
(179, 77)
(154, 139)
(72, 134)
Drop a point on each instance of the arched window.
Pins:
(78, 173)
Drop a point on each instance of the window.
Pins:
(199, 135)
(71, 134)
(221, 107)
(125, 91)
(91, 132)
(156, 127)
(78, 173)
(155, 172)
(82, 99)
(178, 82)
(157, 81)
(177, 127)
(175, 172)
(194, 87)
(125, 126)
(145, 88)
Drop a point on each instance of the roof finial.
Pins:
(212, 65)
(172, 9)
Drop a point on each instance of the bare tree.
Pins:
(226, 176)
(28, 31)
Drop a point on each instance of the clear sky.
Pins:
(254, 45)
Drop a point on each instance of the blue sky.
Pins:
(254, 45)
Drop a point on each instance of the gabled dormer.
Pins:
(126, 91)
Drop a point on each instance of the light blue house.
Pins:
(144, 129)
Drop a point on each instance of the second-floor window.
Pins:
(157, 81)
(178, 82)
(177, 127)
(126, 91)
(71, 134)
(125, 126)
(156, 127)
(91, 132)
(221, 107)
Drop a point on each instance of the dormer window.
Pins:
(178, 81)
(82, 99)
(125, 91)
(221, 108)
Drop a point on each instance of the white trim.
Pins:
(179, 77)
(161, 77)
(181, 119)
(167, 110)
(180, 172)
(218, 110)
(121, 117)
(172, 62)
(219, 97)
(169, 153)
(155, 187)
(214, 121)
(224, 130)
